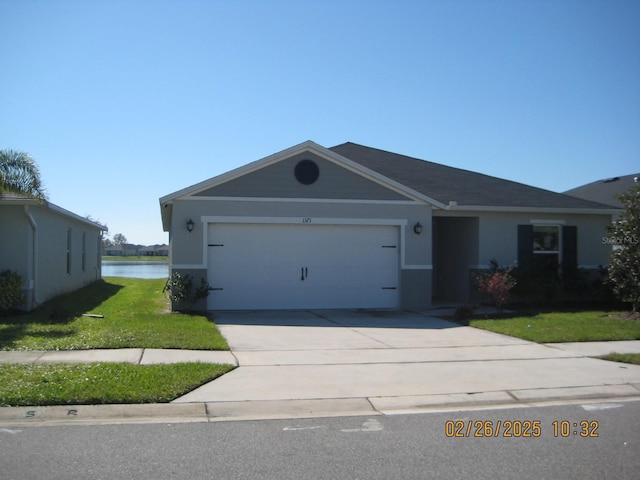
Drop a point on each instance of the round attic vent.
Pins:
(307, 172)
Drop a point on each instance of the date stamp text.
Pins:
(520, 428)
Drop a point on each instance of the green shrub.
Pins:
(179, 289)
(11, 294)
(624, 269)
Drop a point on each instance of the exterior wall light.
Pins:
(417, 228)
(190, 225)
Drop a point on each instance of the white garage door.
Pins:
(293, 266)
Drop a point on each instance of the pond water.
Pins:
(132, 269)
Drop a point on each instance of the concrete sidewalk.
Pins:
(330, 363)
(150, 356)
(139, 356)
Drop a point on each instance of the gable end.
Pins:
(303, 175)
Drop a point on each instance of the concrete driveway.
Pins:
(390, 361)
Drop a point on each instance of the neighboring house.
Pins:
(154, 251)
(605, 190)
(54, 250)
(113, 251)
(357, 227)
(130, 250)
(122, 250)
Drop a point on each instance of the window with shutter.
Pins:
(548, 249)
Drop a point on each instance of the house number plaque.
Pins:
(306, 220)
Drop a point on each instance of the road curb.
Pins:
(207, 412)
(103, 414)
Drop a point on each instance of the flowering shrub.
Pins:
(497, 283)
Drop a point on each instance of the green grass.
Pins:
(633, 358)
(101, 383)
(136, 315)
(579, 326)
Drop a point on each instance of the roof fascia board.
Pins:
(482, 208)
(299, 200)
(53, 208)
(67, 213)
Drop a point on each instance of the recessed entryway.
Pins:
(455, 253)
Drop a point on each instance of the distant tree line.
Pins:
(118, 239)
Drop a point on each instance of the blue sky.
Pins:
(122, 102)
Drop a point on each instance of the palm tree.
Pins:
(19, 174)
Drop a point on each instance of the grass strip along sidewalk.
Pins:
(135, 314)
(99, 383)
(574, 326)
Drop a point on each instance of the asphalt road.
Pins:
(418, 446)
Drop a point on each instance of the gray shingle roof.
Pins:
(445, 184)
(605, 190)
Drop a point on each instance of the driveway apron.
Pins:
(339, 354)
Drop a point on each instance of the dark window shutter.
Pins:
(525, 246)
(569, 249)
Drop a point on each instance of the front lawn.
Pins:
(136, 315)
(577, 326)
(101, 383)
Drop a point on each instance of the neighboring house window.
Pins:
(69, 251)
(548, 249)
(84, 251)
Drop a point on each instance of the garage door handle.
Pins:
(303, 273)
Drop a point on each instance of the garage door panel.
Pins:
(302, 266)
